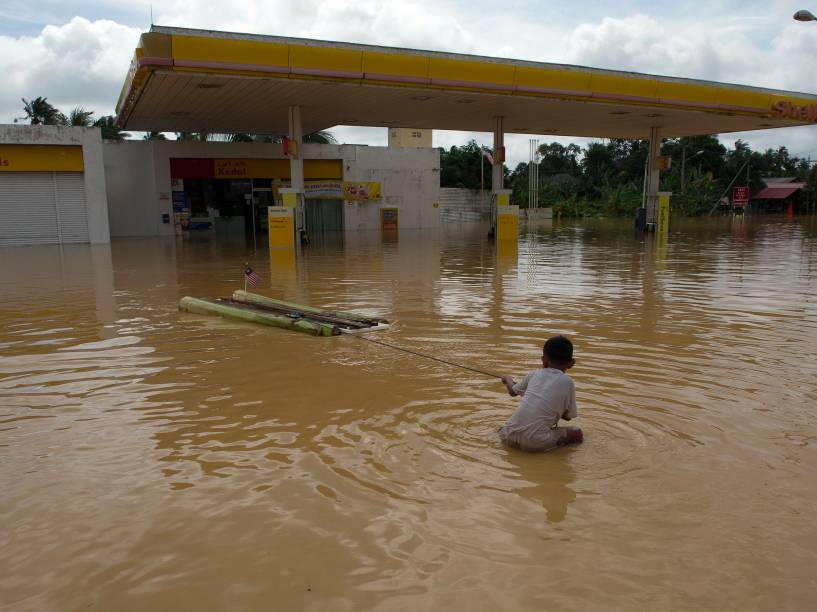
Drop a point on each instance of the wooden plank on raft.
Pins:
(344, 318)
(244, 312)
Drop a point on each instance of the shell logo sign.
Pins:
(787, 110)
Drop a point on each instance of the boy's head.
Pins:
(558, 353)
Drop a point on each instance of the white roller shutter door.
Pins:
(42, 208)
(28, 213)
(72, 214)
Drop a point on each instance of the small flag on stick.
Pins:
(250, 277)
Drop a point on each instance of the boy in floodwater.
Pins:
(547, 396)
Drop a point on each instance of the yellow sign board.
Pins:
(361, 191)
(40, 158)
(662, 222)
(281, 220)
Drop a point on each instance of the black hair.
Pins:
(559, 350)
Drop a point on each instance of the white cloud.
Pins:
(84, 62)
(80, 63)
(397, 22)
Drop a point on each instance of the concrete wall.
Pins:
(134, 209)
(464, 205)
(410, 137)
(90, 139)
(410, 182)
(139, 180)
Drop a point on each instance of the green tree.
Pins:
(559, 159)
(320, 137)
(154, 136)
(40, 112)
(598, 162)
(109, 129)
(461, 167)
(193, 136)
(79, 117)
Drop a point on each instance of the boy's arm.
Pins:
(509, 382)
(571, 410)
(515, 388)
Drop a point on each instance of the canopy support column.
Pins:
(296, 165)
(504, 215)
(653, 178)
(497, 174)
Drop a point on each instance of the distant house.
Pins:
(780, 194)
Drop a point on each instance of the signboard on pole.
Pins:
(740, 197)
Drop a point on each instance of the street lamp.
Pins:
(804, 16)
(684, 164)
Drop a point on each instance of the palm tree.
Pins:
(198, 136)
(109, 129)
(39, 112)
(80, 117)
(154, 136)
(320, 137)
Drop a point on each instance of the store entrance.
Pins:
(223, 206)
(228, 198)
(323, 216)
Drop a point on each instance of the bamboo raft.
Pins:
(254, 308)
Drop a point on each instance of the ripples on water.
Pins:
(153, 460)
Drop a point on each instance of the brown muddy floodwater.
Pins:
(152, 460)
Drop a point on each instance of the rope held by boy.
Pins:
(418, 354)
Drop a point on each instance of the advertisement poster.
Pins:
(361, 191)
(326, 190)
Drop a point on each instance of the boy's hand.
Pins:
(509, 382)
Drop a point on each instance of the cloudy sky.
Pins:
(77, 52)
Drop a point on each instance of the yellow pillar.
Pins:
(289, 197)
(507, 217)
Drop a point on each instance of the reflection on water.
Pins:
(157, 460)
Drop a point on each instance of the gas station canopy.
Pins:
(217, 82)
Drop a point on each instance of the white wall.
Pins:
(132, 204)
(410, 182)
(139, 180)
(90, 139)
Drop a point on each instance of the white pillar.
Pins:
(296, 163)
(296, 160)
(497, 174)
(653, 175)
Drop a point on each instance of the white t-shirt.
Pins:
(548, 395)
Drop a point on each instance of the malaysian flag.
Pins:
(250, 277)
(487, 154)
